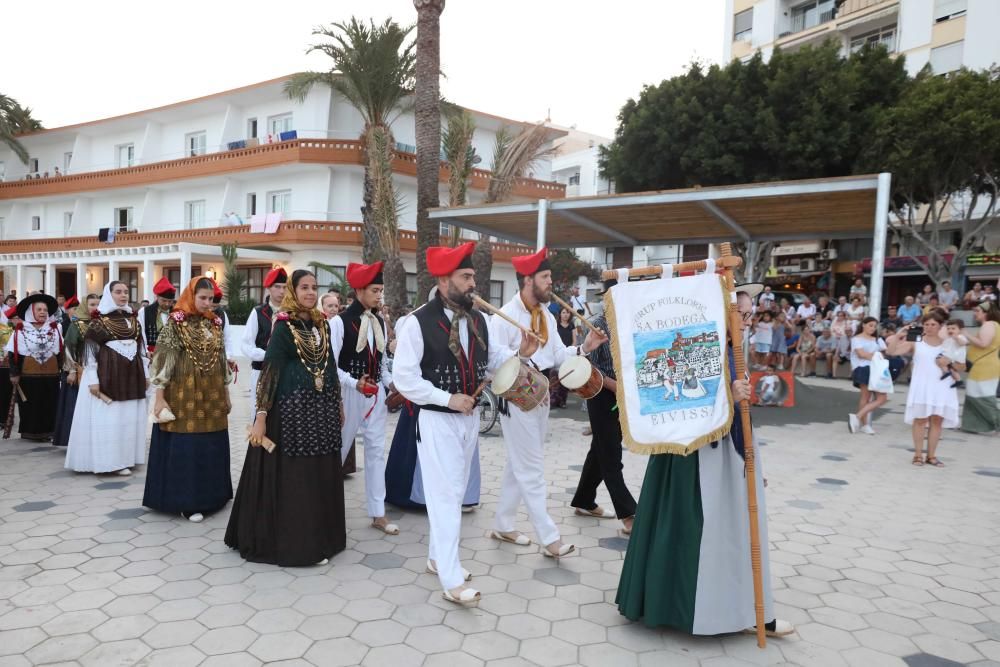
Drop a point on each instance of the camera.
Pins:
(914, 333)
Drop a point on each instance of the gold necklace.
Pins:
(202, 341)
(126, 330)
(314, 354)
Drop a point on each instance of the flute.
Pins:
(577, 315)
(496, 311)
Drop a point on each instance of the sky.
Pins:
(576, 61)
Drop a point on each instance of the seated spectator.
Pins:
(925, 295)
(855, 313)
(842, 332)
(909, 312)
(769, 386)
(947, 297)
(840, 305)
(57, 172)
(826, 349)
(766, 298)
(892, 319)
(859, 289)
(805, 352)
(974, 296)
(787, 308)
(824, 308)
(989, 295)
(805, 311)
(933, 304)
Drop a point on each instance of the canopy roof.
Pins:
(831, 208)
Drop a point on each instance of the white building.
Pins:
(164, 182)
(948, 34)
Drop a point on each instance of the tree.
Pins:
(567, 269)
(427, 112)
(373, 69)
(460, 156)
(14, 120)
(513, 156)
(942, 144)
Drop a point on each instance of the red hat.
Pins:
(72, 301)
(529, 265)
(165, 289)
(275, 275)
(443, 261)
(360, 276)
(217, 291)
(10, 313)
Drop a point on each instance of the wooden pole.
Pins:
(486, 305)
(724, 262)
(736, 332)
(577, 315)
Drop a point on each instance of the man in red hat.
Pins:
(358, 338)
(524, 432)
(257, 332)
(443, 353)
(152, 319)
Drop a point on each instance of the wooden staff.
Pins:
(9, 424)
(577, 315)
(725, 262)
(486, 305)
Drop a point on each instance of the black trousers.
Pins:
(604, 460)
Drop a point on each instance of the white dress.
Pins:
(929, 394)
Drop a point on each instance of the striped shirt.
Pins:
(601, 357)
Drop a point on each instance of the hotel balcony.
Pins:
(815, 22)
(302, 151)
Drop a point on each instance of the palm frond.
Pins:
(514, 156)
(339, 282)
(456, 144)
(16, 120)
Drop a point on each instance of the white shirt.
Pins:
(578, 302)
(249, 343)
(805, 311)
(151, 308)
(337, 344)
(506, 335)
(765, 297)
(406, 372)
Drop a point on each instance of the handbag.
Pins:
(879, 378)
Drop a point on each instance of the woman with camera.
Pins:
(932, 402)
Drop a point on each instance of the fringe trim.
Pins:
(634, 445)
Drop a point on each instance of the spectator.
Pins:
(779, 345)
(233, 220)
(925, 295)
(855, 313)
(981, 414)
(824, 308)
(947, 297)
(989, 295)
(892, 319)
(762, 340)
(766, 298)
(805, 352)
(143, 303)
(909, 312)
(859, 289)
(826, 349)
(330, 304)
(931, 404)
(973, 296)
(805, 311)
(842, 332)
(933, 304)
(57, 172)
(787, 308)
(863, 349)
(578, 302)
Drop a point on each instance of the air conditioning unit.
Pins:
(787, 268)
(807, 264)
(830, 253)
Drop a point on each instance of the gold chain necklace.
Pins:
(314, 354)
(127, 329)
(202, 344)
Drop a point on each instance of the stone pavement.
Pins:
(876, 562)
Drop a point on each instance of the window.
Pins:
(949, 9)
(279, 201)
(325, 279)
(251, 204)
(194, 144)
(252, 128)
(123, 219)
(743, 26)
(411, 288)
(574, 179)
(496, 293)
(947, 58)
(694, 252)
(278, 124)
(885, 36)
(131, 278)
(173, 274)
(67, 159)
(810, 14)
(36, 224)
(67, 222)
(125, 155)
(253, 282)
(33, 165)
(194, 213)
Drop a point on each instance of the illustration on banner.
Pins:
(678, 368)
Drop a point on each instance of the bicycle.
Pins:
(488, 413)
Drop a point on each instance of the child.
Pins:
(762, 339)
(953, 349)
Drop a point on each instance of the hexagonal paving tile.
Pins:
(557, 576)
(36, 506)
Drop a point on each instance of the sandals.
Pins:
(388, 528)
(597, 513)
(933, 461)
(521, 540)
(468, 596)
(564, 550)
(917, 461)
(432, 569)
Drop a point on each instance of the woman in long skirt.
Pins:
(6, 389)
(72, 368)
(188, 469)
(109, 420)
(289, 507)
(34, 354)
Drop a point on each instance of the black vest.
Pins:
(264, 314)
(439, 365)
(350, 360)
(150, 314)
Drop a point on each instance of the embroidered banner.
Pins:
(668, 340)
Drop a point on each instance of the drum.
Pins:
(581, 377)
(520, 384)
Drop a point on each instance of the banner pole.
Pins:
(736, 332)
(724, 262)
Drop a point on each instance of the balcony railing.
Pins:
(309, 151)
(821, 13)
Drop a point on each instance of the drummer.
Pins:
(524, 432)
(442, 357)
(604, 460)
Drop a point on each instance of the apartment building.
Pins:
(947, 34)
(155, 192)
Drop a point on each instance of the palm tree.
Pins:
(427, 111)
(373, 69)
(460, 156)
(513, 157)
(15, 120)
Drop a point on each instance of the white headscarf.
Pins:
(108, 302)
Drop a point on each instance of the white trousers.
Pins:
(446, 444)
(372, 430)
(524, 474)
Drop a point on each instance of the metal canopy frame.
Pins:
(586, 212)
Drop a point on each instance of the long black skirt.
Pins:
(38, 414)
(289, 510)
(64, 413)
(188, 472)
(6, 393)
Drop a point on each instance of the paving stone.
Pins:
(548, 651)
(337, 652)
(393, 656)
(280, 646)
(434, 639)
(225, 640)
(35, 506)
(928, 660)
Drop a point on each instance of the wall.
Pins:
(916, 19)
(982, 44)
